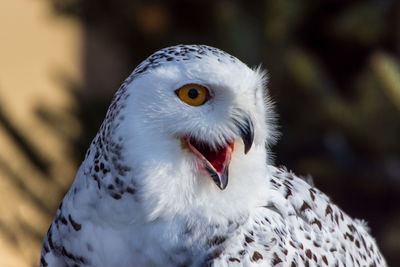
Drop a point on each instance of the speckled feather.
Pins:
(300, 226)
(138, 198)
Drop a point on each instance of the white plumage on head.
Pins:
(178, 174)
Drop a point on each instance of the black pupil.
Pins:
(193, 93)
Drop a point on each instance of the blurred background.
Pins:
(334, 74)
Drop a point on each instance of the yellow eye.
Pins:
(193, 94)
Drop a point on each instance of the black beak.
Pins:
(221, 180)
(246, 128)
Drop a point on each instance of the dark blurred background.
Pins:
(334, 70)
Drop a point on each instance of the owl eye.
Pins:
(193, 94)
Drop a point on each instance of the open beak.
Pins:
(216, 162)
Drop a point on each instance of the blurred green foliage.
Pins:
(334, 71)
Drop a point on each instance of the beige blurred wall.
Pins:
(40, 58)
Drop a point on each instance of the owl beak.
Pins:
(246, 128)
(214, 162)
(220, 178)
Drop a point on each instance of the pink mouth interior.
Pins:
(217, 158)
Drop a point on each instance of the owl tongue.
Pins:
(215, 162)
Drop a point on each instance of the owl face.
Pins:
(194, 127)
(209, 107)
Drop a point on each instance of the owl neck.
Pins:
(170, 188)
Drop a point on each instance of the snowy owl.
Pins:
(179, 175)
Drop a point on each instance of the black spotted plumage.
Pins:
(310, 231)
